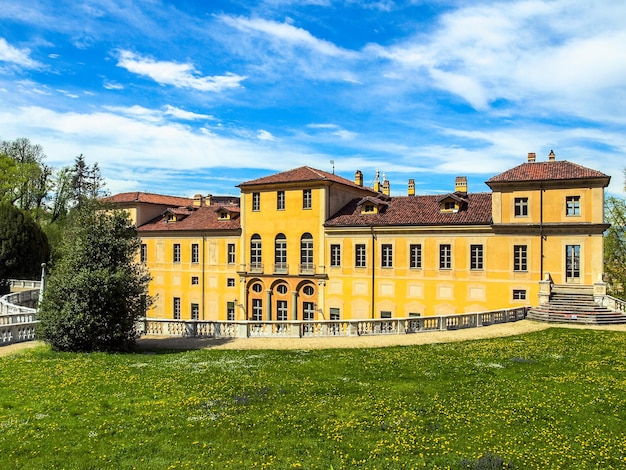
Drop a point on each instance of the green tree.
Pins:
(615, 247)
(23, 245)
(87, 182)
(26, 183)
(98, 290)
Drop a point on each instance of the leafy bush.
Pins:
(97, 292)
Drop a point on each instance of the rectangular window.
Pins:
(195, 253)
(194, 280)
(476, 257)
(572, 204)
(280, 200)
(306, 199)
(257, 310)
(445, 256)
(387, 256)
(416, 256)
(519, 294)
(176, 257)
(335, 314)
(385, 314)
(230, 282)
(360, 257)
(256, 201)
(230, 311)
(195, 312)
(308, 309)
(143, 254)
(176, 308)
(520, 262)
(335, 255)
(231, 253)
(281, 310)
(521, 207)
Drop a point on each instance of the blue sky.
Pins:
(185, 97)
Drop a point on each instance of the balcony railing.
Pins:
(307, 268)
(255, 268)
(281, 268)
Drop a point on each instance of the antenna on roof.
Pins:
(332, 162)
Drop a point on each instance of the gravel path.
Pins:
(148, 343)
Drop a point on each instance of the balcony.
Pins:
(281, 268)
(256, 268)
(307, 269)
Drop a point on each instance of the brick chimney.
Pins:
(358, 178)
(460, 184)
(551, 156)
(411, 187)
(532, 157)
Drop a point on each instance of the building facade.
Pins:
(309, 245)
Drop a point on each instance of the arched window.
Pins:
(255, 253)
(306, 253)
(280, 253)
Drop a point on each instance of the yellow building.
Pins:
(308, 245)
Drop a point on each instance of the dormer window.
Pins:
(451, 203)
(176, 214)
(223, 215)
(371, 205)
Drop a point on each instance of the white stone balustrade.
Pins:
(17, 322)
(325, 328)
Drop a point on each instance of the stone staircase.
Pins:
(574, 304)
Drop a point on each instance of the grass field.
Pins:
(554, 399)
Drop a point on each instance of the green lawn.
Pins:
(554, 399)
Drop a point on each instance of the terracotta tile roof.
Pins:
(148, 198)
(302, 174)
(205, 218)
(416, 210)
(546, 171)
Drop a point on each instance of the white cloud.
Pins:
(131, 141)
(67, 93)
(179, 75)
(564, 55)
(186, 115)
(110, 85)
(20, 57)
(265, 135)
(287, 34)
(157, 115)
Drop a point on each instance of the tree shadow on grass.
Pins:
(169, 343)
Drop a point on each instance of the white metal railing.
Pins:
(17, 321)
(326, 328)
